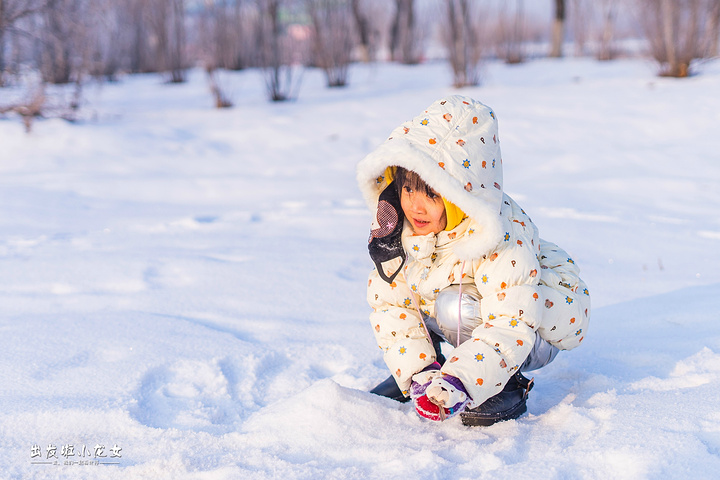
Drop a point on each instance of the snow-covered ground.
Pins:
(186, 286)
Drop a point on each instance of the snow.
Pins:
(188, 284)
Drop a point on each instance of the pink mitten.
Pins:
(421, 380)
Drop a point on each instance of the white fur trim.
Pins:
(454, 147)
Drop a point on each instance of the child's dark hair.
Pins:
(408, 178)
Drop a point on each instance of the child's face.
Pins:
(425, 213)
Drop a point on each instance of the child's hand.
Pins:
(444, 396)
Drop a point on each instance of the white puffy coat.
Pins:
(525, 284)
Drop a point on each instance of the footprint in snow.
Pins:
(187, 395)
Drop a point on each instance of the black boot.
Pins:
(389, 388)
(508, 404)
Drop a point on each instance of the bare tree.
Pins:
(363, 25)
(463, 43)
(221, 32)
(177, 64)
(405, 41)
(246, 25)
(222, 27)
(368, 15)
(218, 91)
(579, 21)
(595, 22)
(12, 12)
(680, 32)
(278, 52)
(80, 37)
(512, 32)
(334, 38)
(227, 34)
(109, 39)
(606, 35)
(166, 30)
(712, 30)
(62, 40)
(143, 42)
(558, 29)
(369, 18)
(29, 109)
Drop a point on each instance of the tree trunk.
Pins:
(395, 30)
(177, 43)
(2, 43)
(558, 29)
(408, 54)
(462, 43)
(668, 13)
(58, 43)
(605, 51)
(516, 54)
(2, 52)
(363, 29)
(455, 47)
(271, 51)
(713, 31)
(402, 33)
(334, 39)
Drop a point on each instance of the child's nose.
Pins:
(418, 204)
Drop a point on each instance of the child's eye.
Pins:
(408, 189)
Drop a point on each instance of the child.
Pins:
(459, 261)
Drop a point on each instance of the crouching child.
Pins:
(458, 261)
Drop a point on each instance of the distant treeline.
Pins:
(69, 40)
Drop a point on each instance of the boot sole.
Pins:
(474, 419)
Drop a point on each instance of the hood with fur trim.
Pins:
(454, 147)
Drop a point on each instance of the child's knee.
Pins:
(448, 307)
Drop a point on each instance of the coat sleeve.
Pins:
(398, 328)
(507, 281)
(566, 298)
